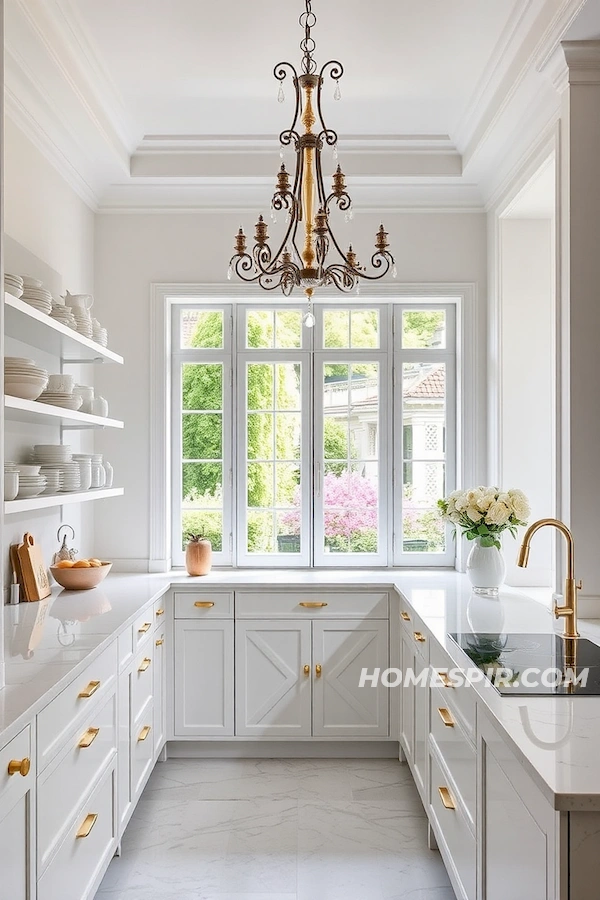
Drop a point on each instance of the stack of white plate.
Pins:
(99, 334)
(83, 321)
(70, 477)
(52, 479)
(63, 314)
(61, 398)
(31, 483)
(13, 284)
(22, 378)
(36, 295)
(52, 454)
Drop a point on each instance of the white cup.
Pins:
(100, 407)
(64, 383)
(11, 485)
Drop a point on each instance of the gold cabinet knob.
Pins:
(145, 664)
(446, 798)
(312, 604)
(204, 604)
(89, 690)
(446, 717)
(19, 767)
(405, 616)
(307, 670)
(144, 733)
(145, 627)
(87, 825)
(318, 670)
(88, 738)
(160, 612)
(159, 642)
(419, 637)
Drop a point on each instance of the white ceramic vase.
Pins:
(486, 569)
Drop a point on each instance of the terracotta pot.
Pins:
(198, 557)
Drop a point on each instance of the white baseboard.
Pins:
(309, 749)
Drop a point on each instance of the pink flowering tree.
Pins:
(350, 502)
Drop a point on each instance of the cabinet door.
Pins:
(340, 706)
(124, 778)
(407, 714)
(16, 842)
(273, 691)
(159, 690)
(421, 732)
(203, 677)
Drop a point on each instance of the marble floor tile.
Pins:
(288, 829)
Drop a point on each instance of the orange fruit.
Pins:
(81, 564)
(95, 563)
(65, 564)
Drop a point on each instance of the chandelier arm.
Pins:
(320, 185)
(337, 70)
(328, 135)
(280, 74)
(244, 263)
(343, 201)
(342, 277)
(378, 260)
(293, 222)
(338, 248)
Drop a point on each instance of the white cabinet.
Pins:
(17, 850)
(340, 707)
(407, 710)
(273, 678)
(421, 707)
(203, 677)
(159, 688)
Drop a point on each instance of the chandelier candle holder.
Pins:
(309, 255)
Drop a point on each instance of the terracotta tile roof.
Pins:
(431, 385)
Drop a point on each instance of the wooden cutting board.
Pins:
(33, 570)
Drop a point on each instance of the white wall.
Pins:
(527, 383)
(134, 251)
(49, 235)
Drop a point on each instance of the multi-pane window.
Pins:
(327, 446)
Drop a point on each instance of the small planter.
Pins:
(198, 555)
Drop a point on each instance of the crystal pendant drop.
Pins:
(358, 288)
(309, 320)
(229, 272)
(273, 216)
(281, 151)
(394, 271)
(335, 153)
(280, 94)
(349, 215)
(337, 94)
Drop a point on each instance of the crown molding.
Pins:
(582, 59)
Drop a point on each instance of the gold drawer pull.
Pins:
(89, 690)
(445, 679)
(160, 642)
(312, 604)
(144, 733)
(144, 628)
(87, 825)
(318, 670)
(204, 604)
(420, 637)
(145, 664)
(160, 612)
(307, 670)
(405, 616)
(88, 738)
(19, 767)
(446, 798)
(446, 717)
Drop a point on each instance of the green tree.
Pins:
(419, 327)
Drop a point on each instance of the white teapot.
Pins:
(83, 301)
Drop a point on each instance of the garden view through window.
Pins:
(324, 446)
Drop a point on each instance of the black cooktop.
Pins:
(534, 664)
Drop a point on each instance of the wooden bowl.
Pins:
(80, 579)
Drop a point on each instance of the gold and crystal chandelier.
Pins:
(310, 256)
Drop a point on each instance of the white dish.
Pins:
(32, 282)
(19, 360)
(24, 391)
(27, 493)
(28, 470)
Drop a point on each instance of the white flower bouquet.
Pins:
(484, 512)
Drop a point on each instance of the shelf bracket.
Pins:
(97, 360)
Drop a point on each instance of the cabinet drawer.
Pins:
(141, 679)
(125, 648)
(456, 843)
(66, 780)
(415, 631)
(68, 711)
(209, 605)
(81, 860)
(455, 749)
(142, 748)
(311, 604)
(160, 609)
(459, 698)
(143, 627)
(16, 751)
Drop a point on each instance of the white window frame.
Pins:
(471, 390)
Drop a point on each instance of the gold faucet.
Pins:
(569, 611)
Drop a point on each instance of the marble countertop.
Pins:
(556, 738)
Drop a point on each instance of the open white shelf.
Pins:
(17, 410)
(45, 501)
(26, 324)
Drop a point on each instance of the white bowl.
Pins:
(11, 485)
(25, 379)
(24, 391)
(28, 470)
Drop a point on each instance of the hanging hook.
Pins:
(61, 528)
